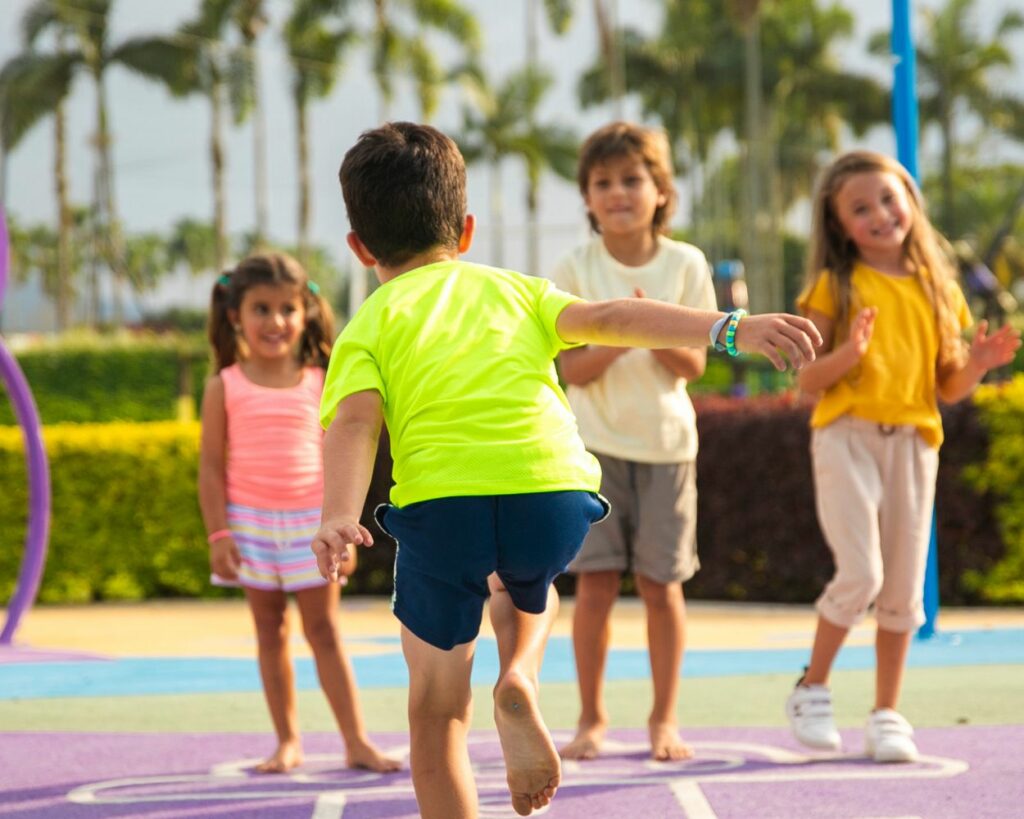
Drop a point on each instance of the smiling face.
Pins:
(622, 196)
(874, 211)
(271, 318)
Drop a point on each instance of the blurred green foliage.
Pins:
(1001, 473)
(125, 521)
(92, 381)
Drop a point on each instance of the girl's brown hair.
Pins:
(831, 253)
(650, 145)
(272, 269)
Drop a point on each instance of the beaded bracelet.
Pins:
(730, 331)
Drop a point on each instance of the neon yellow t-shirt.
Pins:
(895, 382)
(463, 357)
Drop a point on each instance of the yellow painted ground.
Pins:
(223, 628)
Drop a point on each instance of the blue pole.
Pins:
(904, 87)
(905, 123)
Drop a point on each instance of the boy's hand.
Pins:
(225, 558)
(331, 545)
(775, 334)
(996, 350)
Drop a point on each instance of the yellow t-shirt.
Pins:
(463, 357)
(895, 382)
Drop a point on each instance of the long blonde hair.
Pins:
(831, 253)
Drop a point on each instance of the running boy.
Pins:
(494, 490)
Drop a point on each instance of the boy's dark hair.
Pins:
(405, 191)
(650, 145)
(272, 269)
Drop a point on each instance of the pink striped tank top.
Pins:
(274, 441)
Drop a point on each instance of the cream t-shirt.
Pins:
(637, 410)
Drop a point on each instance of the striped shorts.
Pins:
(274, 545)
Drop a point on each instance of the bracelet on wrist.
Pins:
(716, 331)
(730, 331)
(220, 534)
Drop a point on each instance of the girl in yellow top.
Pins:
(884, 298)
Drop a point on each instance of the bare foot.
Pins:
(531, 761)
(587, 742)
(666, 744)
(287, 756)
(368, 756)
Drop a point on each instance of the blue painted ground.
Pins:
(120, 677)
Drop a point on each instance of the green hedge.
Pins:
(1002, 475)
(126, 521)
(103, 382)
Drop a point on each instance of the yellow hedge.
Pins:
(125, 521)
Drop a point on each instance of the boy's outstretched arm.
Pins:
(350, 447)
(656, 324)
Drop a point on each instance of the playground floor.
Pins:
(155, 710)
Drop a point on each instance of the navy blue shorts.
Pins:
(447, 548)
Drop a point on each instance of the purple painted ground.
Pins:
(971, 772)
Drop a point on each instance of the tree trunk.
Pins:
(114, 244)
(381, 17)
(259, 148)
(753, 256)
(532, 221)
(532, 228)
(611, 52)
(304, 183)
(217, 165)
(63, 294)
(948, 194)
(497, 215)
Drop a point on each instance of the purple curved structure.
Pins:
(34, 559)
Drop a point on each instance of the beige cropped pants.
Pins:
(875, 490)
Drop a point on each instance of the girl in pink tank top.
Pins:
(261, 486)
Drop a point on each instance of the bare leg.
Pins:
(596, 593)
(270, 616)
(891, 659)
(319, 609)
(666, 640)
(828, 639)
(531, 761)
(440, 701)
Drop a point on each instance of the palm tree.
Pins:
(194, 244)
(394, 50)
(955, 65)
(250, 18)
(31, 87)
(774, 81)
(85, 24)
(198, 60)
(315, 53)
(503, 124)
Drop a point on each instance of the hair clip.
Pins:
(224, 280)
(314, 288)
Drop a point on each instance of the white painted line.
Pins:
(692, 800)
(330, 805)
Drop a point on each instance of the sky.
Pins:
(160, 151)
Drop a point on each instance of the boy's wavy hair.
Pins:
(273, 269)
(405, 191)
(626, 139)
(831, 253)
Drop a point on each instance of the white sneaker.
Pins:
(809, 709)
(888, 737)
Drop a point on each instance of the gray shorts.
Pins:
(652, 527)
